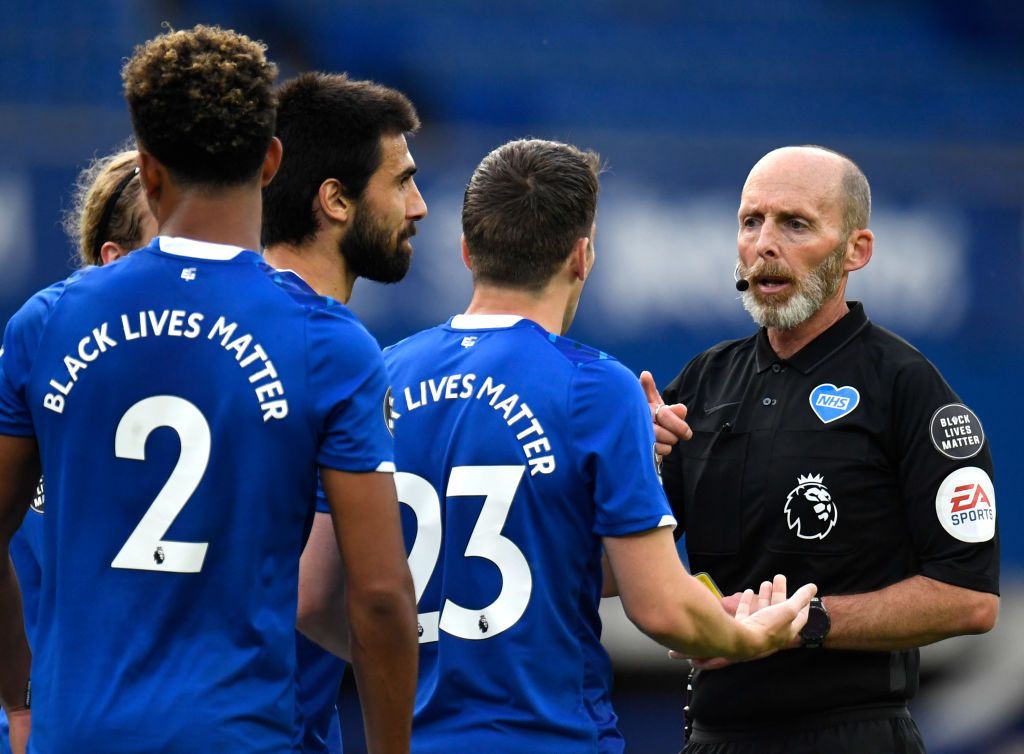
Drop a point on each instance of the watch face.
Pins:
(818, 623)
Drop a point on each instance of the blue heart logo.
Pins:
(830, 402)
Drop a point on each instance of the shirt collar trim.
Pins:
(189, 247)
(484, 321)
(819, 350)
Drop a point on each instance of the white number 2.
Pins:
(145, 549)
(497, 485)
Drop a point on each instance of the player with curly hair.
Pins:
(107, 219)
(180, 404)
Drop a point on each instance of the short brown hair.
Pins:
(94, 191)
(526, 205)
(202, 102)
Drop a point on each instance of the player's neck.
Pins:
(229, 216)
(318, 263)
(785, 343)
(546, 308)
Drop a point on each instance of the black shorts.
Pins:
(883, 735)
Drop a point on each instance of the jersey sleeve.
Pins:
(21, 339)
(350, 385)
(945, 475)
(614, 439)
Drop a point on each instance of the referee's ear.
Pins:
(859, 247)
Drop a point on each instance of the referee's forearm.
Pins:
(910, 613)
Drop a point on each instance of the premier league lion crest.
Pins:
(810, 510)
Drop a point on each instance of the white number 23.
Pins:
(497, 485)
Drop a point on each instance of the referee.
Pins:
(828, 449)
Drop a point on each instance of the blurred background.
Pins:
(681, 98)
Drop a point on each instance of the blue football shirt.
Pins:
(517, 452)
(182, 400)
(318, 679)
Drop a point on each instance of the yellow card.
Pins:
(704, 578)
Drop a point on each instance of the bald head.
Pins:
(822, 172)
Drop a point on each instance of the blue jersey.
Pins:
(517, 452)
(182, 400)
(318, 680)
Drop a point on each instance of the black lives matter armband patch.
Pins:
(956, 432)
(39, 501)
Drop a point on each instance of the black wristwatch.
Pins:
(813, 634)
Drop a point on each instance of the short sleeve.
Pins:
(614, 439)
(350, 387)
(945, 475)
(21, 340)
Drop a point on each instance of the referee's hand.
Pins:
(669, 419)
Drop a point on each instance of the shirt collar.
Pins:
(483, 321)
(188, 247)
(808, 358)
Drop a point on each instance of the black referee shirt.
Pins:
(852, 465)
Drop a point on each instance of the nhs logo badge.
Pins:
(830, 402)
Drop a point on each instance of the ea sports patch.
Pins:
(830, 402)
(966, 505)
(956, 432)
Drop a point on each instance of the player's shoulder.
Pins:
(424, 339)
(592, 366)
(37, 309)
(334, 326)
(325, 312)
(578, 353)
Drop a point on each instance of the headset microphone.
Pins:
(741, 282)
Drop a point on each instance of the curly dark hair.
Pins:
(331, 127)
(202, 102)
(525, 206)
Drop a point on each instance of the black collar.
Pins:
(807, 359)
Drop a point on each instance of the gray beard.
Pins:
(812, 291)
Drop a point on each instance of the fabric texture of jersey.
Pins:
(517, 452)
(317, 682)
(823, 467)
(182, 399)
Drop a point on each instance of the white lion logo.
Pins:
(810, 508)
